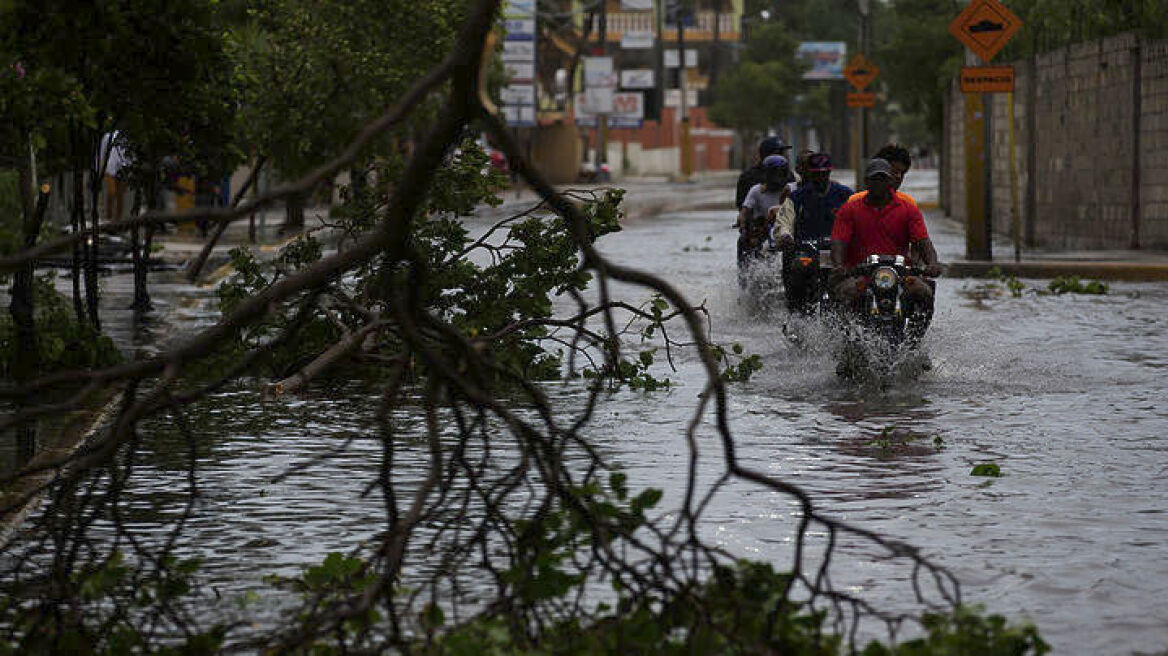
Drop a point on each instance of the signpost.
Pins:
(985, 27)
(861, 99)
(987, 79)
(860, 72)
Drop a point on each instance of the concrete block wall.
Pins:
(1154, 145)
(954, 201)
(1083, 144)
(1012, 179)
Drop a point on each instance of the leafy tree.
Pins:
(918, 56)
(310, 70)
(515, 509)
(759, 92)
(812, 20)
(153, 70)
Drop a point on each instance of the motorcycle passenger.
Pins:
(801, 167)
(755, 174)
(816, 202)
(765, 205)
(882, 223)
(900, 159)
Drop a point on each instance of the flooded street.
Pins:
(1064, 393)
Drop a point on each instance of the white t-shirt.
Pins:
(760, 201)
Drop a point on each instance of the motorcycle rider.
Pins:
(816, 202)
(755, 174)
(881, 222)
(765, 205)
(901, 161)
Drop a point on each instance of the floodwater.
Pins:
(1064, 393)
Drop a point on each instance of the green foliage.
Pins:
(918, 56)
(738, 367)
(1050, 24)
(311, 71)
(965, 632)
(634, 373)
(1015, 286)
(988, 469)
(1072, 285)
(758, 93)
(333, 582)
(102, 615)
(11, 213)
(739, 610)
(479, 297)
(62, 342)
(156, 71)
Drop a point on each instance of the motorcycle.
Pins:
(805, 277)
(756, 252)
(882, 339)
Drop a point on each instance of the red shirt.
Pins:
(870, 230)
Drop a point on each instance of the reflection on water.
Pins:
(1064, 393)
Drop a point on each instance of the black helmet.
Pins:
(771, 146)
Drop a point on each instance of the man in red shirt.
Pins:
(881, 223)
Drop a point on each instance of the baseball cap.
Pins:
(771, 146)
(818, 162)
(877, 166)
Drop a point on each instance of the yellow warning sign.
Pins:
(860, 72)
(985, 27)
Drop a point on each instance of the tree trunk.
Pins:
(91, 252)
(140, 254)
(25, 357)
(294, 213)
(77, 216)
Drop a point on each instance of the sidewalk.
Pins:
(1125, 265)
(646, 197)
(649, 196)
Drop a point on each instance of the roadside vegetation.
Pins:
(464, 332)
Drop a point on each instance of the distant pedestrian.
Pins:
(113, 161)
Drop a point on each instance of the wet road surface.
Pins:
(1064, 393)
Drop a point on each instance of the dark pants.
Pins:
(800, 283)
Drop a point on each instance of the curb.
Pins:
(1102, 270)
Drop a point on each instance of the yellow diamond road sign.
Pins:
(860, 72)
(985, 27)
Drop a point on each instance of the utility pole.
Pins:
(602, 118)
(686, 155)
(659, 58)
(865, 45)
(716, 52)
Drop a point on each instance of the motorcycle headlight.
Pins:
(884, 278)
